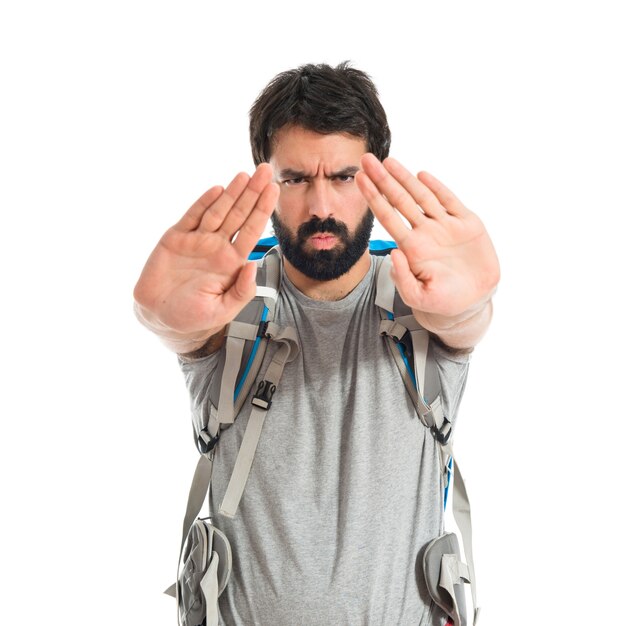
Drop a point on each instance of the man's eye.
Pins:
(294, 181)
(345, 178)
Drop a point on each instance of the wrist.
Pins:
(461, 331)
(177, 341)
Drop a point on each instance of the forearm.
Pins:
(181, 343)
(461, 332)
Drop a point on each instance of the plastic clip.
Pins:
(204, 445)
(444, 433)
(263, 396)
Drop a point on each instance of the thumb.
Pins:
(242, 290)
(410, 287)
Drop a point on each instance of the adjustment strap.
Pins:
(272, 267)
(209, 586)
(385, 287)
(236, 335)
(441, 425)
(266, 292)
(392, 328)
(423, 410)
(197, 494)
(261, 402)
(209, 436)
(454, 572)
(420, 339)
(463, 517)
(431, 414)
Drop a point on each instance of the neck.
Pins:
(329, 290)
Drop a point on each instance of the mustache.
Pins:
(316, 225)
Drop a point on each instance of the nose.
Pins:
(319, 199)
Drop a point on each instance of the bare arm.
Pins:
(445, 267)
(192, 345)
(198, 277)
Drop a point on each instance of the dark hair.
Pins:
(322, 99)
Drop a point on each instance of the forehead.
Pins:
(297, 147)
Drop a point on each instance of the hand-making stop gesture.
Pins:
(198, 277)
(445, 267)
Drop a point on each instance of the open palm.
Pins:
(445, 264)
(198, 277)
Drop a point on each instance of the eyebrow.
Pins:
(288, 172)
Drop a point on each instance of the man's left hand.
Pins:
(445, 267)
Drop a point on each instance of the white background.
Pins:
(117, 115)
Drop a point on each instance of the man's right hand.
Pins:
(198, 277)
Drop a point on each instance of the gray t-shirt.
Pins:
(345, 489)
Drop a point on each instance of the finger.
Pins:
(409, 286)
(424, 197)
(247, 200)
(253, 228)
(388, 217)
(447, 199)
(390, 190)
(191, 219)
(215, 213)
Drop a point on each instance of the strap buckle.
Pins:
(263, 396)
(204, 444)
(444, 432)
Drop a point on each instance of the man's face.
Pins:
(322, 221)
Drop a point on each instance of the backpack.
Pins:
(205, 560)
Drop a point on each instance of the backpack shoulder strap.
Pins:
(246, 341)
(411, 348)
(247, 337)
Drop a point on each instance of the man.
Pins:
(345, 489)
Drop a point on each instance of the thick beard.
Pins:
(324, 264)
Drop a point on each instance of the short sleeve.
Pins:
(453, 367)
(198, 375)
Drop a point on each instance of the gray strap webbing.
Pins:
(243, 464)
(213, 427)
(171, 591)
(209, 586)
(454, 573)
(443, 426)
(423, 410)
(197, 494)
(420, 340)
(242, 330)
(396, 329)
(286, 352)
(385, 287)
(463, 518)
(236, 335)
(409, 322)
(431, 415)
(266, 292)
(226, 406)
(271, 264)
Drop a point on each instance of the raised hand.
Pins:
(445, 265)
(198, 277)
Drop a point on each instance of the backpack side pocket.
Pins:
(203, 574)
(446, 575)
